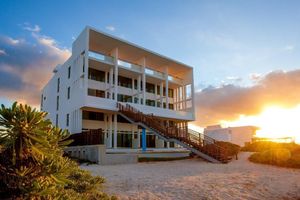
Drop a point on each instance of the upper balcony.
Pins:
(130, 56)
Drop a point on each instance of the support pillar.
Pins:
(110, 131)
(105, 131)
(144, 80)
(139, 89)
(115, 130)
(167, 87)
(161, 94)
(111, 72)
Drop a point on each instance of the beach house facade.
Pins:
(104, 70)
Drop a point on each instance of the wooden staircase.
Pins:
(198, 143)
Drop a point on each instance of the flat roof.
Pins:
(105, 43)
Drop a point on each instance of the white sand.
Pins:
(196, 179)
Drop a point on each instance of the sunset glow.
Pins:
(274, 122)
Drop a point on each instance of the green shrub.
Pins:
(32, 165)
(280, 157)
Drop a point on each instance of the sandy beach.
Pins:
(197, 179)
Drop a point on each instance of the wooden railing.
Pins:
(191, 138)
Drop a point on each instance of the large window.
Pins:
(124, 98)
(150, 88)
(124, 82)
(96, 93)
(170, 93)
(89, 115)
(150, 102)
(96, 75)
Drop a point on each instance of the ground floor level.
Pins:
(120, 133)
(197, 179)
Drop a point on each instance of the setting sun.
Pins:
(273, 122)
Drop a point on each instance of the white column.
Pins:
(155, 92)
(161, 94)
(192, 95)
(105, 80)
(110, 131)
(167, 87)
(111, 72)
(115, 130)
(168, 144)
(116, 52)
(184, 96)
(144, 81)
(139, 89)
(132, 84)
(105, 130)
(175, 99)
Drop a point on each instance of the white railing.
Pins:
(129, 65)
(100, 56)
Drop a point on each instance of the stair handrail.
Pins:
(199, 140)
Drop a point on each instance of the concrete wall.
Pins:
(97, 153)
(236, 135)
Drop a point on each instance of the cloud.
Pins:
(255, 77)
(110, 28)
(234, 78)
(2, 52)
(28, 66)
(289, 48)
(28, 27)
(228, 102)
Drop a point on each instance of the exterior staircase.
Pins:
(198, 143)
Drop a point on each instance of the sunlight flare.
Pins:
(273, 122)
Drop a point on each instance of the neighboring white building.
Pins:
(103, 70)
(237, 135)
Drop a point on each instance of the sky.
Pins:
(245, 54)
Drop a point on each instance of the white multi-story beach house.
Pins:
(103, 70)
(138, 98)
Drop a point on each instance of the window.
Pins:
(96, 75)
(171, 106)
(69, 72)
(96, 93)
(56, 120)
(69, 92)
(57, 102)
(67, 120)
(150, 102)
(124, 98)
(124, 82)
(89, 115)
(58, 84)
(150, 88)
(170, 93)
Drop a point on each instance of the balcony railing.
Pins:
(101, 57)
(148, 71)
(129, 65)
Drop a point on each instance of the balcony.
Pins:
(101, 57)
